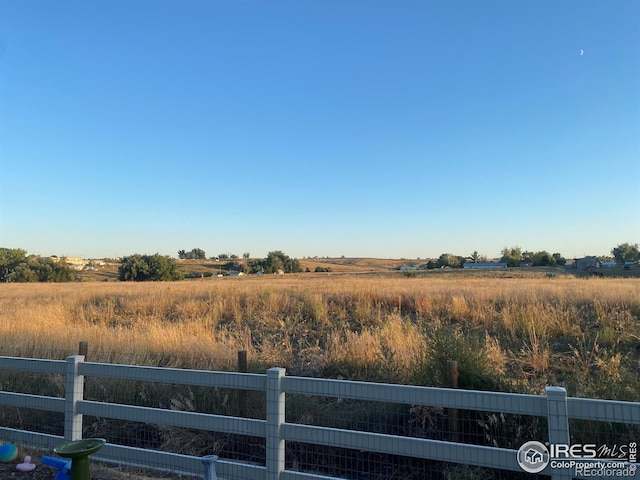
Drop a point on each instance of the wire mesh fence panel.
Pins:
(359, 465)
(148, 434)
(492, 429)
(183, 441)
(610, 433)
(31, 419)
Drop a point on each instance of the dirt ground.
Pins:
(42, 472)
(8, 471)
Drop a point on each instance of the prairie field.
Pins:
(515, 334)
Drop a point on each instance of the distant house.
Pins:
(234, 273)
(408, 267)
(484, 265)
(527, 262)
(71, 261)
(586, 263)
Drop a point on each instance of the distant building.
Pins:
(408, 267)
(73, 261)
(586, 263)
(527, 262)
(484, 265)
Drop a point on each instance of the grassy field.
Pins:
(508, 330)
(513, 330)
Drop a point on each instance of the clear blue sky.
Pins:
(378, 128)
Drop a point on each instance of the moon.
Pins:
(581, 52)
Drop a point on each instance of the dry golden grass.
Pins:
(538, 330)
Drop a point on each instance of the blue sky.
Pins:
(359, 128)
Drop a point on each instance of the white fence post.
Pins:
(558, 425)
(74, 392)
(275, 419)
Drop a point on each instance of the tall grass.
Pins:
(530, 332)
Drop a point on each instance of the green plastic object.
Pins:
(78, 451)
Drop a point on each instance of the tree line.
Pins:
(17, 266)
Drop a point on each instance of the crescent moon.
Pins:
(581, 52)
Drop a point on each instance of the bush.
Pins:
(140, 268)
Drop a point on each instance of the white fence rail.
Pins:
(555, 406)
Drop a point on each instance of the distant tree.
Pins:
(559, 259)
(162, 268)
(17, 267)
(232, 266)
(542, 259)
(626, 252)
(442, 261)
(475, 256)
(194, 254)
(10, 258)
(255, 266)
(56, 271)
(233, 256)
(449, 260)
(223, 256)
(140, 268)
(133, 268)
(431, 265)
(22, 274)
(49, 271)
(511, 256)
(246, 255)
(322, 269)
(197, 254)
(275, 261)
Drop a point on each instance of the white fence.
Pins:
(555, 406)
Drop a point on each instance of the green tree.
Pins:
(50, 271)
(511, 256)
(194, 254)
(626, 252)
(542, 259)
(155, 268)
(34, 268)
(449, 260)
(133, 268)
(22, 273)
(10, 258)
(197, 254)
(275, 261)
(162, 268)
(443, 260)
(559, 259)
